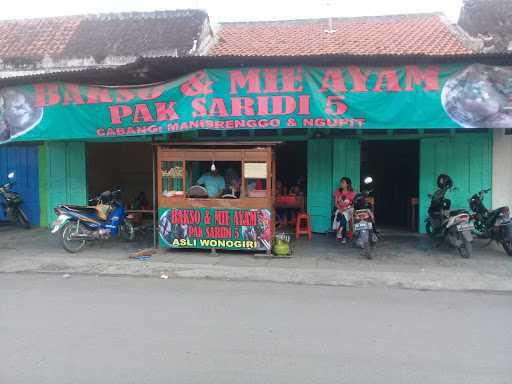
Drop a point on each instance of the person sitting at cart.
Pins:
(344, 200)
(232, 189)
(213, 182)
(296, 190)
(255, 185)
(233, 183)
(281, 189)
(284, 214)
(231, 176)
(140, 202)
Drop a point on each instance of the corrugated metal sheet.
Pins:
(23, 160)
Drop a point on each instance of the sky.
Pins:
(233, 10)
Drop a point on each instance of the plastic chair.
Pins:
(303, 226)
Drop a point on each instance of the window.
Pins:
(172, 178)
(213, 179)
(255, 179)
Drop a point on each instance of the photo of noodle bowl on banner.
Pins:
(480, 97)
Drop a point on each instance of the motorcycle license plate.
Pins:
(360, 226)
(465, 227)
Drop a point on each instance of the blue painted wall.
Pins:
(23, 160)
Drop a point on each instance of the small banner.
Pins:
(237, 229)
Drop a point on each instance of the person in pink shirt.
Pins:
(344, 200)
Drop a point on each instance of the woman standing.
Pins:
(343, 199)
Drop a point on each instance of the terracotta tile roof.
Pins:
(419, 34)
(98, 36)
(35, 38)
(144, 34)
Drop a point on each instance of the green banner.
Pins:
(237, 229)
(351, 97)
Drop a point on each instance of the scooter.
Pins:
(442, 223)
(103, 219)
(493, 225)
(363, 219)
(12, 203)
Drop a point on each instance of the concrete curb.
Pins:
(428, 279)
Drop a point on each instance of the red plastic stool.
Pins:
(303, 226)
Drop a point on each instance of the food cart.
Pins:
(216, 195)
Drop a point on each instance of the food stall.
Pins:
(216, 195)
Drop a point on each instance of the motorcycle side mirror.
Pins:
(368, 180)
(11, 175)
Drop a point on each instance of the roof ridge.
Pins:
(390, 16)
(39, 19)
(156, 14)
(423, 33)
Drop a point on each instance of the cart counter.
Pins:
(213, 198)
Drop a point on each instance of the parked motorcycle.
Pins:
(493, 225)
(12, 203)
(453, 226)
(105, 218)
(363, 219)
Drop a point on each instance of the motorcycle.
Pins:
(493, 225)
(453, 226)
(12, 204)
(363, 219)
(105, 218)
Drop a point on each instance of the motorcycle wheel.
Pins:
(466, 249)
(368, 250)
(127, 231)
(70, 245)
(22, 219)
(507, 246)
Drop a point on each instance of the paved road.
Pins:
(135, 330)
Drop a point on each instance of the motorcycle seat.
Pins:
(436, 214)
(81, 208)
(456, 212)
(498, 210)
(100, 210)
